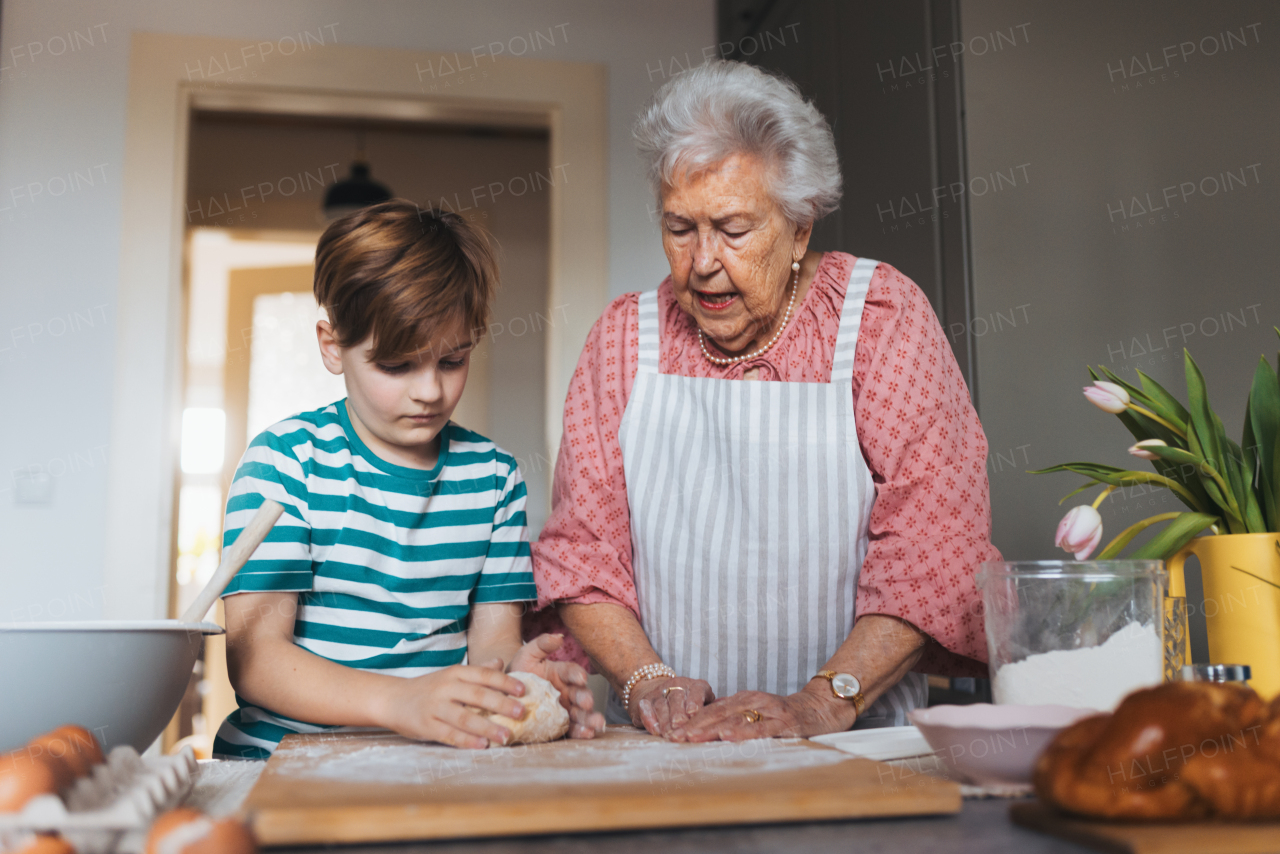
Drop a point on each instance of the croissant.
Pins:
(1182, 750)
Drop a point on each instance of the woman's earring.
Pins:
(795, 265)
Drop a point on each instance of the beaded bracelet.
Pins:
(649, 671)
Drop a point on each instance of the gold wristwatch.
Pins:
(845, 686)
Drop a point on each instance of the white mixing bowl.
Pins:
(993, 745)
(123, 680)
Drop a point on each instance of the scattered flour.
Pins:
(1095, 677)
(221, 785)
(614, 758)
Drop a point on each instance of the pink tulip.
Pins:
(1108, 397)
(1140, 449)
(1080, 531)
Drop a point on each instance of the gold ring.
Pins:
(752, 716)
(666, 691)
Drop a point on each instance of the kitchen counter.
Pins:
(982, 826)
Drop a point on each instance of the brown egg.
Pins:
(77, 746)
(47, 844)
(188, 831)
(50, 749)
(166, 822)
(24, 775)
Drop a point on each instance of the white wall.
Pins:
(63, 77)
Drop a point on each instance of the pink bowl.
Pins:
(989, 744)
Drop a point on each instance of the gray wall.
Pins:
(898, 129)
(1068, 269)
(62, 111)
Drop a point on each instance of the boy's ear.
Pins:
(330, 352)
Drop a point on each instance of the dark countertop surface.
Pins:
(981, 827)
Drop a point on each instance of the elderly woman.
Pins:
(771, 493)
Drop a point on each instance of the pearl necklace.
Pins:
(795, 286)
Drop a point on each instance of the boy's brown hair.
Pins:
(403, 274)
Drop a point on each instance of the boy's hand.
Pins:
(568, 678)
(435, 707)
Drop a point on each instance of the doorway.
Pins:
(239, 283)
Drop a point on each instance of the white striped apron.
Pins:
(750, 504)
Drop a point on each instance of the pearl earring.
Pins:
(795, 265)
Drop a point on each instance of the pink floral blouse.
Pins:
(931, 521)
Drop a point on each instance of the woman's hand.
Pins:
(811, 711)
(441, 706)
(568, 678)
(663, 705)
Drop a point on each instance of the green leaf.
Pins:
(1200, 496)
(1142, 428)
(1232, 466)
(1200, 413)
(1262, 430)
(1113, 476)
(1275, 482)
(1203, 430)
(1126, 536)
(1086, 469)
(1110, 475)
(1249, 447)
(1275, 458)
(1240, 480)
(1256, 516)
(1078, 490)
(1189, 467)
(1158, 394)
(1210, 485)
(1174, 536)
(1177, 455)
(1193, 442)
(1254, 521)
(1175, 415)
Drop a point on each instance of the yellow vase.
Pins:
(1241, 575)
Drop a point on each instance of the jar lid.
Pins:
(1216, 673)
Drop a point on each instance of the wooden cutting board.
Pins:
(367, 787)
(1151, 838)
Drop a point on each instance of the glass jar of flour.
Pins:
(1073, 633)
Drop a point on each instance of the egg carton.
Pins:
(116, 802)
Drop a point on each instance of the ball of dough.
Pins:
(544, 718)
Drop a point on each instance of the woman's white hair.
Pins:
(721, 108)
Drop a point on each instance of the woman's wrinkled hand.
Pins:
(568, 678)
(811, 711)
(663, 705)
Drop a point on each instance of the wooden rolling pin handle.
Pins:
(234, 557)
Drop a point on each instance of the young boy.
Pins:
(402, 552)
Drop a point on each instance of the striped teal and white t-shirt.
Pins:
(387, 560)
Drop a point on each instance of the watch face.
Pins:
(845, 685)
